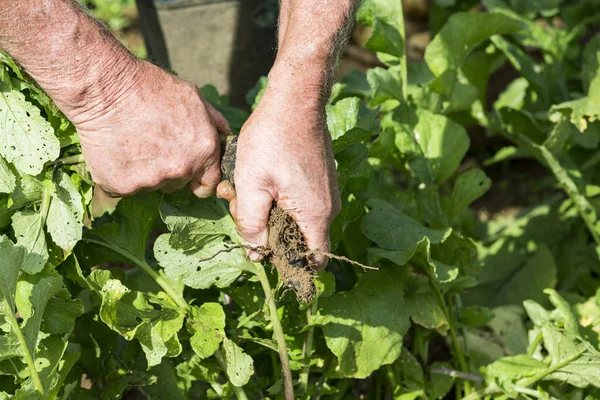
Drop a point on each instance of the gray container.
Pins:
(226, 43)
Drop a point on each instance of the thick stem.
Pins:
(403, 58)
(538, 377)
(176, 297)
(10, 317)
(307, 351)
(239, 391)
(70, 160)
(536, 342)
(456, 350)
(277, 332)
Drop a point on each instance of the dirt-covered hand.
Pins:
(284, 154)
(150, 131)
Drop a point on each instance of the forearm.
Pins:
(311, 35)
(71, 56)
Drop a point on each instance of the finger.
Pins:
(173, 186)
(252, 209)
(225, 191)
(206, 183)
(233, 208)
(219, 120)
(316, 235)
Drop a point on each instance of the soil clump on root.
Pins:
(288, 253)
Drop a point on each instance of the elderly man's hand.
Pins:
(284, 155)
(150, 130)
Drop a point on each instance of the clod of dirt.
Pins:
(288, 254)
(286, 248)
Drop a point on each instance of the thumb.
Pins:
(219, 120)
(253, 208)
(205, 184)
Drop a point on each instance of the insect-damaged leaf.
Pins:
(65, 216)
(193, 268)
(207, 326)
(239, 365)
(27, 139)
(153, 319)
(125, 237)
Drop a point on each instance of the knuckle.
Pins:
(246, 228)
(121, 188)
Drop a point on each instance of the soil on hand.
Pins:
(289, 254)
(286, 248)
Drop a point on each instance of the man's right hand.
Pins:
(141, 128)
(150, 131)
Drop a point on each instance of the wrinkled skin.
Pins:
(157, 134)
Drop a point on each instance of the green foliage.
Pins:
(507, 308)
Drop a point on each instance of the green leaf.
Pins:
(582, 110)
(468, 187)
(350, 122)
(359, 327)
(396, 233)
(239, 365)
(124, 239)
(460, 35)
(194, 221)
(441, 142)
(29, 190)
(28, 140)
(422, 305)
(65, 216)
(166, 386)
(154, 320)
(513, 274)
(590, 65)
(386, 84)
(10, 263)
(385, 39)
(508, 325)
(195, 269)
(514, 94)
(476, 316)
(206, 324)
(574, 361)
(387, 19)
(29, 231)
(8, 181)
(32, 296)
(509, 369)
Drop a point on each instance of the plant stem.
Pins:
(10, 317)
(326, 368)
(546, 372)
(239, 391)
(70, 160)
(538, 339)
(277, 332)
(391, 376)
(308, 344)
(456, 350)
(176, 297)
(492, 389)
(403, 58)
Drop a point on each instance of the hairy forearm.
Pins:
(311, 35)
(66, 51)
